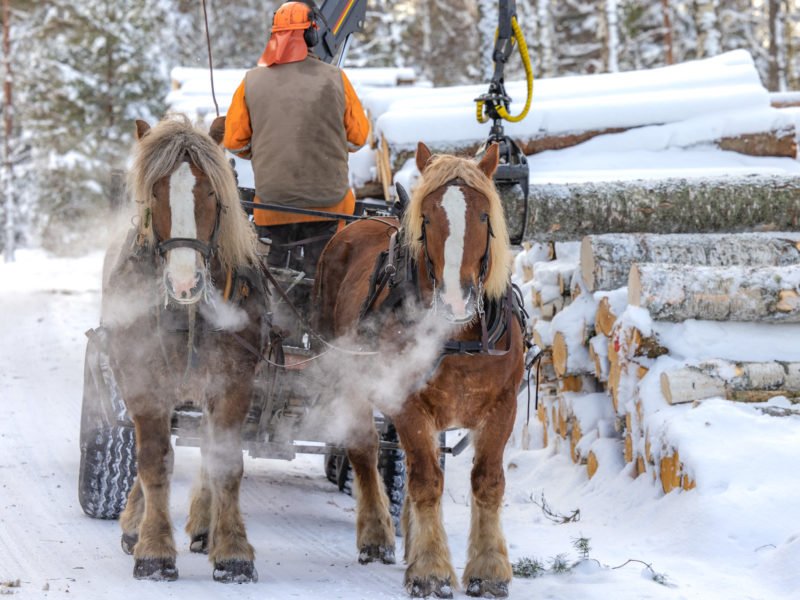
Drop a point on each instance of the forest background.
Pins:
(77, 72)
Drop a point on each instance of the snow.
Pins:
(718, 541)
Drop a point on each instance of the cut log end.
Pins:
(591, 464)
(559, 354)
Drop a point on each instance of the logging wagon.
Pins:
(281, 400)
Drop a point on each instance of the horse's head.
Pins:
(184, 184)
(455, 223)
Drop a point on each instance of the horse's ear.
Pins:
(423, 156)
(488, 163)
(217, 131)
(142, 128)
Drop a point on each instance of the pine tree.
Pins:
(443, 41)
(641, 35)
(239, 31)
(381, 43)
(578, 36)
(94, 67)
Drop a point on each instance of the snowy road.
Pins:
(713, 544)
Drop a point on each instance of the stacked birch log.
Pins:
(609, 373)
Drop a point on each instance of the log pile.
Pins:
(618, 361)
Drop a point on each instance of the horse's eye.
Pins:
(211, 193)
(484, 218)
(426, 220)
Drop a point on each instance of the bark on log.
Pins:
(571, 211)
(743, 381)
(680, 292)
(779, 143)
(606, 259)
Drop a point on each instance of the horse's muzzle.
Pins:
(463, 313)
(186, 295)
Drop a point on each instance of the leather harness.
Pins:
(397, 269)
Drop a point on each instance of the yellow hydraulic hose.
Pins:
(526, 62)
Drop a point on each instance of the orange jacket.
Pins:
(238, 133)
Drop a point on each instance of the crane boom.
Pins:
(337, 21)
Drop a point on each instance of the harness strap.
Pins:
(178, 242)
(311, 240)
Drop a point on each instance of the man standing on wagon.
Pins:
(296, 117)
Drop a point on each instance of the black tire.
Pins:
(107, 440)
(392, 469)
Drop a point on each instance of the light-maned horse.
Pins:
(454, 231)
(189, 258)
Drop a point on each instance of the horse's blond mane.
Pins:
(157, 155)
(442, 168)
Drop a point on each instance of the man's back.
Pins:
(299, 143)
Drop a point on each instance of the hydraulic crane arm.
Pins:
(511, 177)
(337, 21)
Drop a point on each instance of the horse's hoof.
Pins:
(430, 586)
(199, 543)
(235, 571)
(128, 541)
(155, 569)
(373, 552)
(485, 588)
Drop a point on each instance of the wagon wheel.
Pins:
(107, 437)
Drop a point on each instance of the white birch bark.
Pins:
(606, 259)
(681, 292)
(612, 24)
(742, 381)
(546, 37)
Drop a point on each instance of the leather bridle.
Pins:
(205, 249)
(423, 239)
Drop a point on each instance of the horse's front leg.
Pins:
(429, 571)
(228, 548)
(131, 517)
(199, 522)
(488, 571)
(154, 550)
(374, 529)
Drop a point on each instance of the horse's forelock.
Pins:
(157, 155)
(441, 169)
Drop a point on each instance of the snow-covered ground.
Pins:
(736, 539)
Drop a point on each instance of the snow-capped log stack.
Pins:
(546, 271)
(701, 316)
(706, 317)
(571, 110)
(574, 408)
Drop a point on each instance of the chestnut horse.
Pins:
(175, 338)
(454, 233)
